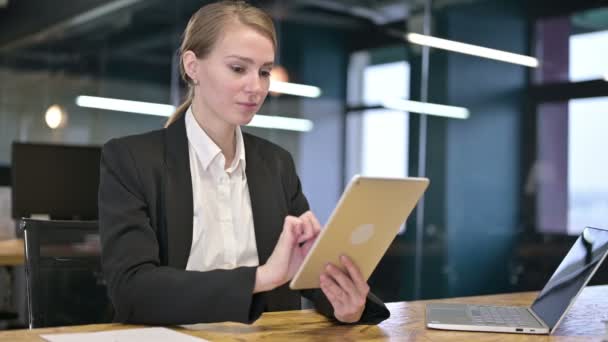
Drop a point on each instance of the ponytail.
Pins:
(181, 109)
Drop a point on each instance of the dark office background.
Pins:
(481, 230)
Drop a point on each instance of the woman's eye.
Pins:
(237, 69)
(265, 73)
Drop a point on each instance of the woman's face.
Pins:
(235, 76)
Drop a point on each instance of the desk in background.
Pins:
(584, 323)
(12, 252)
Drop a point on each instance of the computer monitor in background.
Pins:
(5, 175)
(7, 225)
(58, 181)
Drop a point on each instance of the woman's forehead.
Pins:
(246, 42)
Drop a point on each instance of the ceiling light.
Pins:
(469, 49)
(55, 117)
(281, 122)
(138, 107)
(294, 89)
(427, 108)
(159, 109)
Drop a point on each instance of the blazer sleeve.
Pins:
(375, 310)
(140, 288)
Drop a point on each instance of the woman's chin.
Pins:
(245, 119)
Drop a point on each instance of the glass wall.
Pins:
(570, 98)
(587, 183)
(572, 46)
(378, 139)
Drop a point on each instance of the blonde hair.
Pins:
(204, 30)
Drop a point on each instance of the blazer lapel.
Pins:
(260, 183)
(178, 195)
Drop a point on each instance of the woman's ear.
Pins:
(190, 62)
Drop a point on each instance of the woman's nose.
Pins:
(254, 84)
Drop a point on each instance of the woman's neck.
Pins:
(222, 134)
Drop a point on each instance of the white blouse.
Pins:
(223, 235)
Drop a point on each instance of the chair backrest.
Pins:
(64, 281)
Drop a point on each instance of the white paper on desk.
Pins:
(156, 334)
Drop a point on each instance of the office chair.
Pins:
(6, 315)
(63, 274)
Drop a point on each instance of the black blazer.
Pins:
(145, 220)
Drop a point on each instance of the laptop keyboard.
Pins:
(497, 315)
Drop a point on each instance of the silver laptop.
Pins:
(549, 308)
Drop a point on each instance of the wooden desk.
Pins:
(12, 252)
(584, 323)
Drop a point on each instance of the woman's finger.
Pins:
(294, 225)
(335, 303)
(332, 291)
(355, 274)
(291, 231)
(315, 222)
(308, 245)
(308, 230)
(309, 216)
(343, 281)
(289, 235)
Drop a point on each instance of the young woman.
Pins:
(201, 222)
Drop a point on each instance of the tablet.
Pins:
(364, 223)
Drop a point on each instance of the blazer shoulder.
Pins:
(146, 150)
(138, 142)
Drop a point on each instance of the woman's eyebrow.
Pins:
(249, 60)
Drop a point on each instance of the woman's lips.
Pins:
(248, 105)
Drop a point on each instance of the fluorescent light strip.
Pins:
(294, 89)
(427, 108)
(281, 122)
(159, 109)
(137, 107)
(469, 49)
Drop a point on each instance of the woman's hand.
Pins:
(346, 291)
(298, 235)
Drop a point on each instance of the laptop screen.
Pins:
(571, 275)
